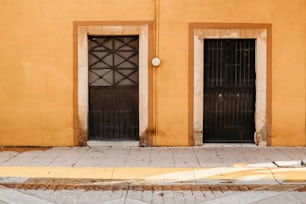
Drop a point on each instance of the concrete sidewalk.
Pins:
(168, 167)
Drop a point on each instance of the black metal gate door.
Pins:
(229, 90)
(113, 87)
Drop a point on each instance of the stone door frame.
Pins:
(262, 34)
(81, 32)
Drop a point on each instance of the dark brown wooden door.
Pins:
(229, 90)
(113, 87)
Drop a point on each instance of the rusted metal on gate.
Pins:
(229, 90)
(113, 87)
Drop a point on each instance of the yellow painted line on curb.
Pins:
(156, 174)
(290, 174)
(242, 174)
(87, 172)
(146, 173)
(56, 172)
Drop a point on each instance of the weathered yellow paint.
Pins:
(36, 63)
(147, 174)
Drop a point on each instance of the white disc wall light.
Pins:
(155, 61)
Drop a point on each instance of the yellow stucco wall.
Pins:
(36, 63)
(288, 61)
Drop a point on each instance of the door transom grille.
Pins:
(113, 61)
